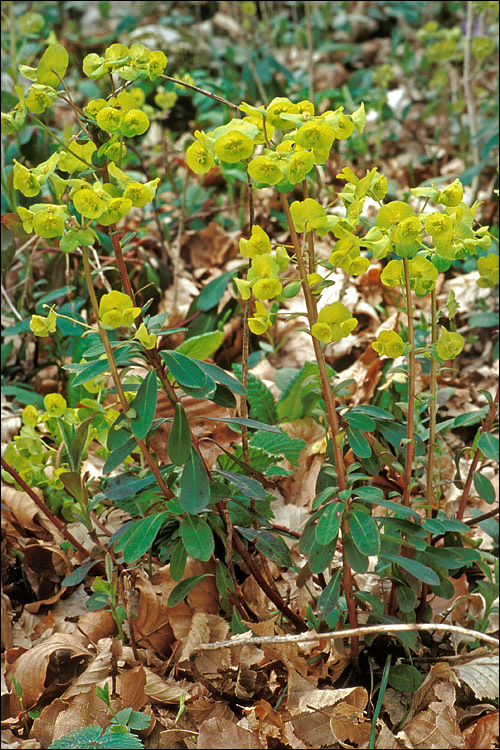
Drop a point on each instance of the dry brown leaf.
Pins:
(435, 729)
(152, 616)
(96, 672)
(348, 724)
(166, 689)
(130, 686)
(221, 734)
(209, 247)
(96, 625)
(54, 661)
(426, 693)
(483, 734)
(480, 674)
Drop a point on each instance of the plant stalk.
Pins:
(411, 388)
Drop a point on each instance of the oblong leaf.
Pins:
(197, 537)
(422, 572)
(355, 558)
(194, 484)
(328, 525)
(249, 486)
(330, 595)
(320, 556)
(144, 405)
(360, 421)
(185, 370)
(183, 588)
(179, 439)
(489, 445)
(221, 376)
(359, 444)
(364, 532)
(139, 537)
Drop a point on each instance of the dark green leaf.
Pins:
(320, 556)
(328, 525)
(472, 417)
(224, 584)
(249, 486)
(422, 572)
(117, 456)
(144, 405)
(73, 484)
(247, 422)
(302, 394)
(187, 371)
(372, 411)
(279, 444)
(179, 439)
(178, 560)
(406, 598)
(484, 320)
(197, 537)
(360, 421)
(78, 575)
(273, 547)
(79, 442)
(195, 486)
(183, 588)
(390, 505)
(224, 397)
(330, 595)
(139, 537)
(404, 678)
(359, 444)
(213, 291)
(355, 558)
(368, 493)
(364, 532)
(260, 398)
(489, 445)
(221, 376)
(484, 488)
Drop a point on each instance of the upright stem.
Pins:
(432, 409)
(411, 388)
(487, 425)
(116, 377)
(331, 414)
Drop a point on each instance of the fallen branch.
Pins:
(378, 629)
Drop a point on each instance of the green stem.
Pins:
(486, 427)
(331, 415)
(411, 387)
(432, 409)
(116, 377)
(380, 699)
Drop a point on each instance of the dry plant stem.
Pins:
(266, 588)
(486, 427)
(469, 96)
(331, 413)
(334, 635)
(45, 510)
(201, 91)
(116, 377)
(310, 238)
(243, 607)
(411, 387)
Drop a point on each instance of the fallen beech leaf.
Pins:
(221, 734)
(435, 729)
(480, 674)
(96, 625)
(165, 690)
(440, 672)
(349, 725)
(61, 651)
(483, 734)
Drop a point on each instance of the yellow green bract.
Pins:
(449, 344)
(55, 404)
(389, 344)
(334, 323)
(43, 326)
(116, 309)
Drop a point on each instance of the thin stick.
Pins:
(411, 387)
(469, 97)
(371, 629)
(201, 91)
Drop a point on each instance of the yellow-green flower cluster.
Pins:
(119, 115)
(261, 320)
(334, 323)
(43, 326)
(262, 278)
(346, 255)
(47, 220)
(306, 140)
(30, 181)
(131, 63)
(423, 275)
(449, 344)
(116, 309)
(389, 344)
(488, 268)
(55, 405)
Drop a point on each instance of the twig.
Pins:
(201, 91)
(370, 629)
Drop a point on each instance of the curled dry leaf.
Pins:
(220, 733)
(55, 662)
(431, 689)
(483, 734)
(435, 729)
(480, 674)
(45, 566)
(96, 625)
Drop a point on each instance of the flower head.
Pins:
(315, 134)
(261, 320)
(258, 244)
(198, 159)
(135, 122)
(488, 268)
(392, 213)
(449, 344)
(233, 147)
(116, 309)
(334, 322)
(277, 107)
(43, 326)
(55, 404)
(148, 340)
(423, 275)
(389, 343)
(264, 169)
(452, 195)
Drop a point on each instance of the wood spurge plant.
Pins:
(377, 505)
